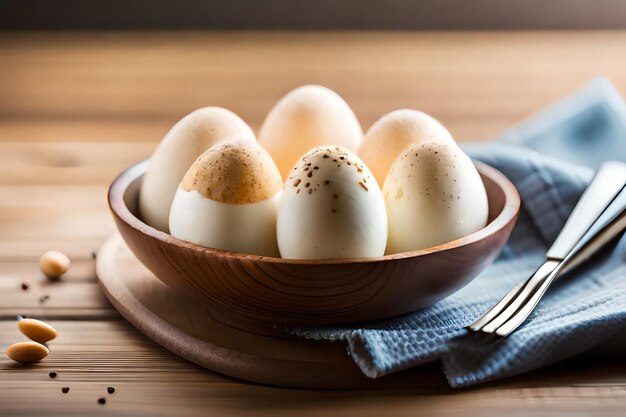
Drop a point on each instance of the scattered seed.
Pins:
(52, 374)
(110, 390)
(53, 264)
(27, 352)
(37, 330)
(24, 286)
(327, 182)
(310, 174)
(44, 298)
(102, 400)
(362, 184)
(297, 182)
(65, 390)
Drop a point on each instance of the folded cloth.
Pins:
(582, 309)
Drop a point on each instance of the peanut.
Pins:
(53, 264)
(27, 352)
(37, 330)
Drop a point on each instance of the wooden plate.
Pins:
(186, 327)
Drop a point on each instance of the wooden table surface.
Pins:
(76, 108)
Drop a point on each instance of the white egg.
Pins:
(307, 117)
(191, 136)
(393, 132)
(331, 208)
(229, 200)
(434, 195)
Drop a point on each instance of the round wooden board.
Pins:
(185, 326)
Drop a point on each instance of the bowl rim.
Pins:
(119, 208)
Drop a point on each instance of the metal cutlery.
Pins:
(599, 216)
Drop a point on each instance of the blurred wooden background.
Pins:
(120, 86)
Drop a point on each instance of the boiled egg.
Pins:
(191, 136)
(433, 194)
(228, 199)
(307, 117)
(331, 208)
(392, 133)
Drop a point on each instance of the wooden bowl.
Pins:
(275, 291)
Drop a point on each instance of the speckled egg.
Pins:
(331, 208)
(433, 195)
(228, 199)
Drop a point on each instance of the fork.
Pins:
(599, 216)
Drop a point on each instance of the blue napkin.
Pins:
(586, 128)
(583, 309)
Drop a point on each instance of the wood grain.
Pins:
(75, 108)
(186, 325)
(149, 381)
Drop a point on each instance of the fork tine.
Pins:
(515, 295)
(522, 314)
(490, 314)
(520, 300)
(612, 229)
